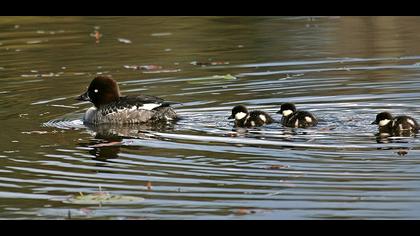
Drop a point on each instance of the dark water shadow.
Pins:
(109, 138)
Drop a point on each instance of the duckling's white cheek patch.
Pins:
(252, 123)
(262, 117)
(287, 112)
(149, 106)
(384, 122)
(297, 123)
(240, 115)
(308, 119)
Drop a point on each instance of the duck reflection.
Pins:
(402, 138)
(108, 138)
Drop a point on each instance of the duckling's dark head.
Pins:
(287, 109)
(239, 112)
(102, 90)
(382, 119)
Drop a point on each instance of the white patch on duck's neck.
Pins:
(287, 112)
(240, 115)
(90, 113)
(384, 122)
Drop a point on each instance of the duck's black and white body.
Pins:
(244, 118)
(400, 125)
(111, 107)
(296, 119)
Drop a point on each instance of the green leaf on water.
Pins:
(102, 198)
(203, 80)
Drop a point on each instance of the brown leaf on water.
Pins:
(402, 152)
(243, 211)
(97, 36)
(276, 167)
(149, 185)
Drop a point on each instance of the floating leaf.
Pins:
(228, 76)
(276, 167)
(149, 185)
(102, 198)
(203, 80)
(243, 211)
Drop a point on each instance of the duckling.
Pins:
(400, 125)
(296, 119)
(245, 118)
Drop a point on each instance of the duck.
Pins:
(397, 126)
(110, 107)
(246, 119)
(296, 119)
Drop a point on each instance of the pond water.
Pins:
(343, 69)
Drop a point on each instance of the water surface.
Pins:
(343, 69)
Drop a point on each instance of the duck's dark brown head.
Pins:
(102, 90)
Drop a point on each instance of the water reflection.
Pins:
(108, 138)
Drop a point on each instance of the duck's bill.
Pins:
(279, 112)
(83, 97)
(374, 123)
(230, 117)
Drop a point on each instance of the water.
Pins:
(344, 69)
